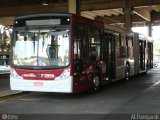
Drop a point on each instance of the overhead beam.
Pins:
(139, 24)
(110, 20)
(118, 19)
(114, 4)
(86, 5)
(143, 13)
(155, 16)
(156, 23)
(24, 10)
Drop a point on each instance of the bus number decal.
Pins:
(47, 75)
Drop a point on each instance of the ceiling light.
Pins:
(45, 3)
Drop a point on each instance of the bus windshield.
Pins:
(41, 47)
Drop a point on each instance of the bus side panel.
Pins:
(81, 62)
(81, 83)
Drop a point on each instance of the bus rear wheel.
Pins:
(96, 83)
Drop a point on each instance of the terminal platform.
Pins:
(5, 85)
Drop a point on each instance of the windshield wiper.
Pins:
(52, 28)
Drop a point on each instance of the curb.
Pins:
(12, 95)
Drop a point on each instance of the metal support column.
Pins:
(75, 6)
(150, 28)
(128, 19)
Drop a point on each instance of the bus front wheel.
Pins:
(96, 83)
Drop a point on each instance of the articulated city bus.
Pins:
(68, 53)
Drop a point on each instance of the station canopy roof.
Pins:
(108, 11)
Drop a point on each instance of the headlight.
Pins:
(65, 74)
(14, 74)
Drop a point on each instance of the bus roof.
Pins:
(43, 15)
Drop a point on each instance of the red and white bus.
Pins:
(69, 53)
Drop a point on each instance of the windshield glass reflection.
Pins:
(42, 47)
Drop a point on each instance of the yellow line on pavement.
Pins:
(13, 95)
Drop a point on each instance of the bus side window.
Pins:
(76, 48)
(93, 53)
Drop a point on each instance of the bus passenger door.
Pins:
(142, 55)
(111, 56)
(150, 54)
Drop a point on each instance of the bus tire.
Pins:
(127, 72)
(96, 83)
